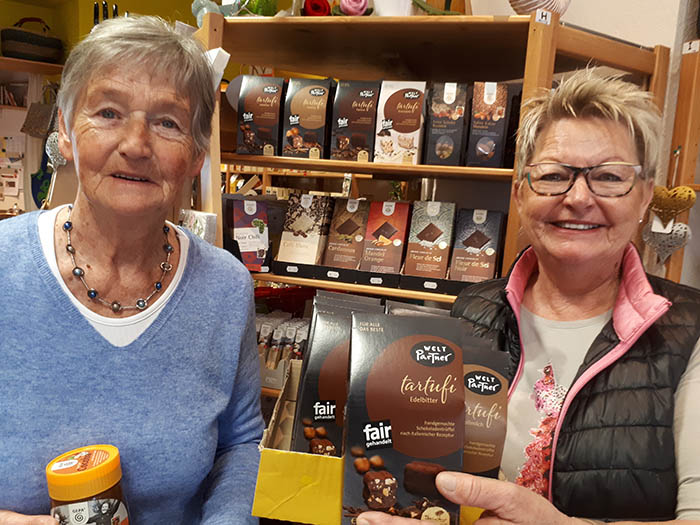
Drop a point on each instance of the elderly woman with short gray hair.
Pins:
(605, 359)
(118, 326)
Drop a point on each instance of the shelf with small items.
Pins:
(356, 288)
(376, 169)
(29, 66)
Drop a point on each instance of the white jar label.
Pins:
(99, 511)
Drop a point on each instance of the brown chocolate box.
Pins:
(305, 118)
(405, 414)
(489, 122)
(347, 234)
(399, 128)
(259, 108)
(385, 237)
(445, 128)
(354, 116)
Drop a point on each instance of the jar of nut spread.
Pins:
(84, 487)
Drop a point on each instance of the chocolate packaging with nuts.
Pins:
(259, 107)
(404, 416)
(399, 128)
(489, 118)
(445, 133)
(306, 109)
(429, 239)
(318, 422)
(354, 116)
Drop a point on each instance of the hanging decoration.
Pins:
(666, 204)
(664, 244)
(525, 7)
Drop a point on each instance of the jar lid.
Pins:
(83, 472)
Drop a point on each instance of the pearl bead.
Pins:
(166, 229)
(67, 226)
(70, 249)
(168, 248)
(116, 307)
(92, 293)
(141, 304)
(159, 285)
(78, 272)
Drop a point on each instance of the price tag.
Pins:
(658, 227)
(691, 47)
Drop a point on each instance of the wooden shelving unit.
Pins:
(356, 288)
(454, 48)
(29, 66)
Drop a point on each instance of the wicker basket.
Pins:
(17, 42)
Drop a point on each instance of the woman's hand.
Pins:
(12, 518)
(504, 503)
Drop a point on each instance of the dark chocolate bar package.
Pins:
(306, 227)
(404, 417)
(446, 128)
(306, 109)
(250, 230)
(347, 234)
(477, 245)
(259, 109)
(486, 404)
(401, 308)
(318, 423)
(385, 237)
(354, 116)
(430, 238)
(489, 122)
(399, 128)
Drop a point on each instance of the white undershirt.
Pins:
(118, 331)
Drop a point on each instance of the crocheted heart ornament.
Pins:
(666, 204)
(664, 244)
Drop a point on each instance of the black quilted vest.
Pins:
(615, 453)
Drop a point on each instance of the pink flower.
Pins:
(353, 7)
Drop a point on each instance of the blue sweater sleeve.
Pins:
(231, 482)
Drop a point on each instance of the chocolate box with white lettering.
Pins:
(399, 129)
(354, 116)
(259, 109)
(445, 128)
(477, 245)
(429, 239)
(306, 108)
(385, 237)
(318, 422)
(404, 417)
(489, 122)
(305, 230)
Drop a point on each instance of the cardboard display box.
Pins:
(399, 128)
(354, 115)
(259, 107)
(306, 228)
(429, 239)
(477, 245)
(445, 133)
(305, 117)
(385, 237)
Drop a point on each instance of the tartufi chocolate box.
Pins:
(477, 245)
(347, 234)
(404, 417)
(399, 129)
(250, 230)
(259, 109)
(318, 423)
(306, 110)
(385, 237)
(430, 238)
(489, 118)
(446, 129)
(305, 230)
(354, 116)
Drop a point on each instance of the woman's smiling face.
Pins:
(579, 227)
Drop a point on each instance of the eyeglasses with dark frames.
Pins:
(610, 179)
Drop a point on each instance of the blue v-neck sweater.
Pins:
(181, 402)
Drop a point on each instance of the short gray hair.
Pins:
(150, 43)
(584, 94)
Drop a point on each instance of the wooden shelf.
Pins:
(696, 187)
(29, 66)
(378, 170)
(270, 392)
(357, 288)
(413, 48)
(16, 108)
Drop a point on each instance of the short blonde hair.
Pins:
(145, 43)
(584, 94)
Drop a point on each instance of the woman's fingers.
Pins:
(12, 518)
(380, 518)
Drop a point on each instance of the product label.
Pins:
(99, 511)
(83, 460)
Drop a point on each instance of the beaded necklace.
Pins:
(94, 295)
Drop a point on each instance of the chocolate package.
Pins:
(318, 422)
(385, 237)
(477, 245)
(446, 129)
(259, 108)
(305, 117)
(347, 234)
(306, 227)
(429, 240)
(399, 128)
(489, 118)
(250, 231)
(484, 370)
(354, 117)
(404, 417)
